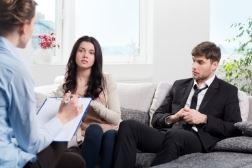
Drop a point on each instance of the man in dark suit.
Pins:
(196, 114)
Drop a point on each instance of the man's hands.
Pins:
(175, 117)
(69, 108)
(188, 115)
(192, 116)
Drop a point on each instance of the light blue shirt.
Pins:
(21, 137)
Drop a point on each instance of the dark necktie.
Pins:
(195, 96)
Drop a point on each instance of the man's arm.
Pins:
(224, 127)
(169, 112)
(164, 110)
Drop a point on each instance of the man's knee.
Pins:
(179, 134)
(128, 125)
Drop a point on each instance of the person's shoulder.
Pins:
(7, 74)
(10, 70)
(13, 67)
(106, 75)
(108, 78)
(7, 64)
(226, 85)
(183, 81)
(109, 81)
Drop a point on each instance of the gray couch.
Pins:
(140, 100)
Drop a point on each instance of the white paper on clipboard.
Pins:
(50, 108)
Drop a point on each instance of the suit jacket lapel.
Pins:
(212, 90)
(186, 91)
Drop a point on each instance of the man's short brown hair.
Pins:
(207, 49)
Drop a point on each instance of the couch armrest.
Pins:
(250, 109)
(42, 92)
(46, 90)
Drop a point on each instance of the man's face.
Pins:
(202, 68)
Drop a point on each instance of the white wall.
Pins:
(178, 25)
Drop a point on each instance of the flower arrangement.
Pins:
(47, 41)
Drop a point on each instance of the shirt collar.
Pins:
(208, 82)
(8, 45)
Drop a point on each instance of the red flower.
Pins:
(48, 41)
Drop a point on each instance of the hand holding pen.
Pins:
(69, 107)
(67, 97)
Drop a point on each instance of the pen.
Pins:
(68, 97)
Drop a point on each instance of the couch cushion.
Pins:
(211, 160)
(59, 79)
(136, 96)
(42, 92)
(244, 105)
(159, 96)
(250, 109)
(140, 116)
(235, 144)
(245, 127)
(144, 159)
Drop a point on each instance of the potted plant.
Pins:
(46, 48)
(239, 71)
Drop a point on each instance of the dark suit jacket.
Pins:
(220, 104)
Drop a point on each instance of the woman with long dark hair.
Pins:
(85, 78)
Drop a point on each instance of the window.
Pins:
(44, 26)
(223, 14)
(115, 24)
(123, 28)
(45, 18)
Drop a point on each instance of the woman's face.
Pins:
(85, 55)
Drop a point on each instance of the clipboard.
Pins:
(49, 109)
